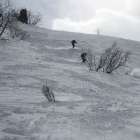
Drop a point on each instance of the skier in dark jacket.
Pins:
(84, 57)
(73, 42)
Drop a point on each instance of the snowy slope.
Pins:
(90, 105)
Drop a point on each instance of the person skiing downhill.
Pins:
(73, 42)
(84, 57)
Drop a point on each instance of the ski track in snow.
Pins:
(90, 105)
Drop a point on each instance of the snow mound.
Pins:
(135, 72)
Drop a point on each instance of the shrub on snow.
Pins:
(112, 59)
(48, 93)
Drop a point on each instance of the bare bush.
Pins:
(8, 17)
(112, 59)
(48, 93)
(4, 16)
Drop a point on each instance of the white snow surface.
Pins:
(135, 72)
(90, 105)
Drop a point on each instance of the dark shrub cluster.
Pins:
(27, 17)
(23, 17)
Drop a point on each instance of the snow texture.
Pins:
(135, 72)
(89, 105)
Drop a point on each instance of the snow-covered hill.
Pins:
(90, 105)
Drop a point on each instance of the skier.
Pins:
(84, 57)
(73, 42)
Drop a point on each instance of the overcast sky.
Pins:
(112, 17)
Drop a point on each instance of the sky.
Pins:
(119, 18)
